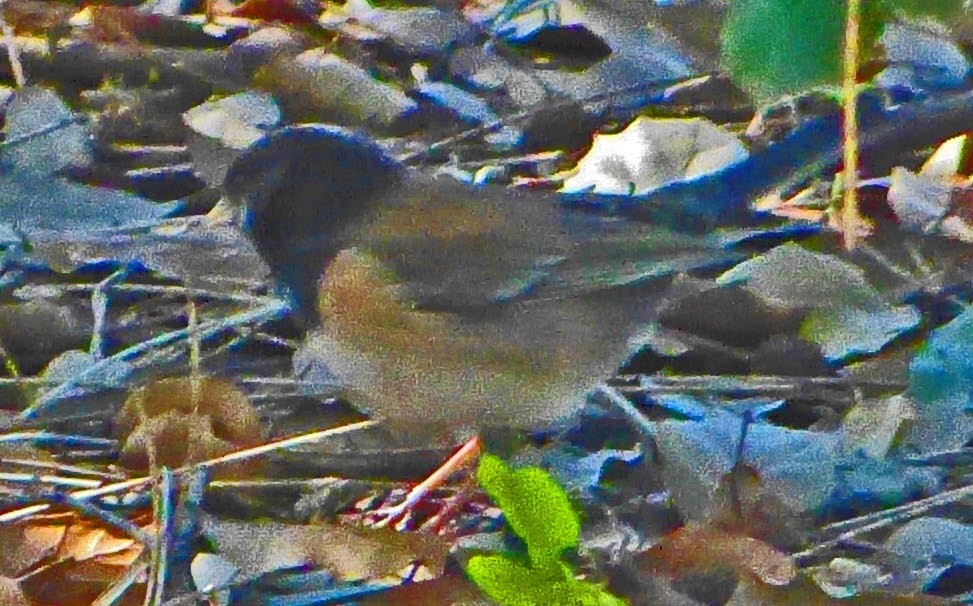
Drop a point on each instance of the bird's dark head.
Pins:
(304, 187)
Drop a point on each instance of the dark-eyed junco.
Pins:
(444, 309)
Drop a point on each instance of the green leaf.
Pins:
(536, 507)
(512, 583)
(941, 9)
(778, 47)
(775, 47)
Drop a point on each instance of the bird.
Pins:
(444, 309)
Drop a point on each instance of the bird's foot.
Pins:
(385, 516)
(396, 515)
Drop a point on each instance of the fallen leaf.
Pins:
(350, 552)
(447, 590)
(650, 153)
(184, 420)
(709, 548)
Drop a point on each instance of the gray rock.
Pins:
(333, 85)
(420, 32)
(246, 56)
(222, 129)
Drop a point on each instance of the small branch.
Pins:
(16, 67)
(134, 483)
(165, 517)
(850, 219)
(854, 527)
(116, 590)
(206, 329)
(109, 518)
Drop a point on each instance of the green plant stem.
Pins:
(850, 219)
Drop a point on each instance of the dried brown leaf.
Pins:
(447, 590)
(711, 548)
(25, 545)
(351, 552)
(180, 421)
(806, 593)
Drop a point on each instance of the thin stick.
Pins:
(880, 519)
(13, 53)
(113, 593)
(262, 314)
(850, 219)
(308, 438)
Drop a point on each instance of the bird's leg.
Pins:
(465, 453)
